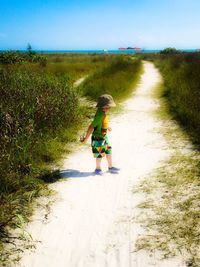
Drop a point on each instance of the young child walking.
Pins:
(99, 128)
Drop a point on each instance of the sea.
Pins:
(101, 51)
(105, 51)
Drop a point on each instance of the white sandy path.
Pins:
(91, 224)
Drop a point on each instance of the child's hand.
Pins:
(109, 129)
(82, 139)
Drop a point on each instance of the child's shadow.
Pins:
(70, 173)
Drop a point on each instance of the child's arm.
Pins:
(89, 132)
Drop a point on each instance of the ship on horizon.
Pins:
(130, 48)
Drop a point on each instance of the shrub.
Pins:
(13, 57)
(31, 106)
(169, 50)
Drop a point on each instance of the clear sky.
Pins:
(99, 24)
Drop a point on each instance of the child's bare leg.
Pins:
(109, 160)
(98, 163)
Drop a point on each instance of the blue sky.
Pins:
(94, 24)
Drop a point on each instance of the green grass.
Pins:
(21, 190)
(41, 115)
(35, 109)
(171, 218)
(60, 65)
(118, 79)
(33, 106)
(75, 66)
(182, 88)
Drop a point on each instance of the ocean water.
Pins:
(99, 51)
(102, 51)
(89, 51)
(106, 51)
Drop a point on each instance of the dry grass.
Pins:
(170, 213)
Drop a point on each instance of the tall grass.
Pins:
(39, 115)
(182, 88)
(171, 215)
(13, 57)
(172, 192)
(117, 78)
(70, 65)
(34, 109)
(75, 66)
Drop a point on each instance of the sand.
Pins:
(91, 223)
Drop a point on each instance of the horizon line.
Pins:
(97, 49)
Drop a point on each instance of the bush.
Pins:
(32, 106)
(39, 112)
(169, 50)
(34, 109)
(13, 57)
(10, 57)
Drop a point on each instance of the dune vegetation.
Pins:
(171, 215)
(180, 72)
(40, 114)
(34, 110)
(117, 78)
